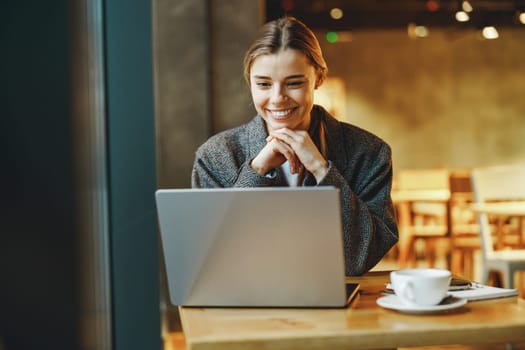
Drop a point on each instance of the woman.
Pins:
(292, 142)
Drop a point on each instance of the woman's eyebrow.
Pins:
(261, 77)
(294, 76)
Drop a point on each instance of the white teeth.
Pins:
(281, 113)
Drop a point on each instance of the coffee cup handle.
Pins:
(407, 292)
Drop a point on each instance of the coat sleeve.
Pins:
(369, 222)
(218, 165)
(203, 176)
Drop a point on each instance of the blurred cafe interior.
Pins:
(107, 101)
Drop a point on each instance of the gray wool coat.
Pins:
(360, 165)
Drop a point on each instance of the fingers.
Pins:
(299, 141)
(304, 148)
(294, 138)
(273, 155)
(285, 150)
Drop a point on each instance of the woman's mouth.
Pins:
(280, 114)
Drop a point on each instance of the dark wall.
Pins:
(37, 265)
(132, 175)
(39, 269)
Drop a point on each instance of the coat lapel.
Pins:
(334, 139)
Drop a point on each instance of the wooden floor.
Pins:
(174, 338)
(520, 346)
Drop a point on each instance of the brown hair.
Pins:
(286, 33)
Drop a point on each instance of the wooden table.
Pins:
(403, 200)
(502, 211)
(363, 325)
(511, 208)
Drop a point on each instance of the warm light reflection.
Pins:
(336, 13)
(462, 16)
(332, 96)
(490, 32)
(345, 36)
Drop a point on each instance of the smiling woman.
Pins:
(292, 142)
(282, 89)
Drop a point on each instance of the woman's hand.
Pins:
(304, 149)
(273, 155)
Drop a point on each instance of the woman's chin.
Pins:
(275, 124)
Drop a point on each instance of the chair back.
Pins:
(463, 220)
(492, 184)
(423, 179)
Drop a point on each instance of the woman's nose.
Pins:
(278, 93)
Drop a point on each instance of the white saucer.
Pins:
(392, 302)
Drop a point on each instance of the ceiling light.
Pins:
(462, 16)
(521, 17)
(490, 32)
(421, 31)
(466, 6)
(417, 31)
(336, 13)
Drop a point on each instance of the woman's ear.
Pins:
(318, 82)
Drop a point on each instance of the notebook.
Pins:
(253, 247)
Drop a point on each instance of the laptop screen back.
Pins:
(260, 247)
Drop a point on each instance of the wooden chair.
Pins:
(425, 219)
(464, 229)
(492, 184)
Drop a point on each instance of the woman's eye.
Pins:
(297, 83)
(263, 84)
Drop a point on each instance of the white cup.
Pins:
(420, 287)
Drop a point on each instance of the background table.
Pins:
(511, 208)
(502, 211)
(363, 325)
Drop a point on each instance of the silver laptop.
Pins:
(253, 247)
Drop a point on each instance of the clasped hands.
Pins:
(294, 146)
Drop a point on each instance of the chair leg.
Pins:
(457, 262)
(412, 254)
(406, 241)
(468, 263)
(496, 278)
(521, 283)
(508, 278)
(485, 275)
(431, 252)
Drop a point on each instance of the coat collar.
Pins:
(257, 135)
(337, 152)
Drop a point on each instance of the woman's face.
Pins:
(282, 87)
